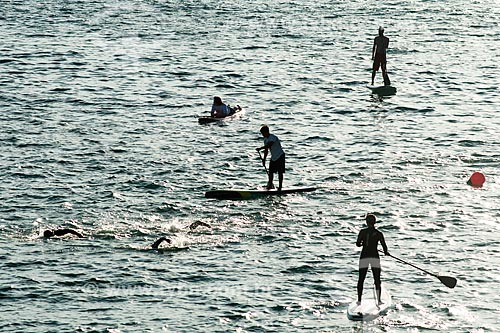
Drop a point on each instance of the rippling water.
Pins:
(99, 133)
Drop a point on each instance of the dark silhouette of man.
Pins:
(369, 238)
(380, 45)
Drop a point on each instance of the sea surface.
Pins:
(99, 102)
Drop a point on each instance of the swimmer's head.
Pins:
(370, 220)
(48, 233)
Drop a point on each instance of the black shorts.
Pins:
(380, 59)
(278, 165)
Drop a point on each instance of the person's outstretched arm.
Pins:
(359, 241)
(384, 246)
(62, 232)
(197, 224)
(159, 241)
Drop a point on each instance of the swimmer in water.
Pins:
(159, 241)
(192, 226)
(197, 224)
(61, 232)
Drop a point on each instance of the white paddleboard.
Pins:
(369, 308)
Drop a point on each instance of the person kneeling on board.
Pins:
(369, 238)
(192, 226)
(61, 232)
(221, 110)
(277, 163)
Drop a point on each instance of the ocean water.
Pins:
(99, 102)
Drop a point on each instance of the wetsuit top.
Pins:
(369, 238)
(382, 43)
(221, 108)
(276, 150)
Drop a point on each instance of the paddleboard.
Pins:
(369, 308)
(383, 90)
(210, 119)
(252, 194)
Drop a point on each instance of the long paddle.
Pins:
(262, 160)
(448, 281)
(264, 164)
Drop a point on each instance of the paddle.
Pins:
(264, 164)
(448, 281)
(262, 160)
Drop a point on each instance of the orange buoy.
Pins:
(477, 179)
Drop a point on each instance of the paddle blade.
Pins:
(448, 281)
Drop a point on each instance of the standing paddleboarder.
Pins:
(380, 45)
(369, 238)
(277, 163)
